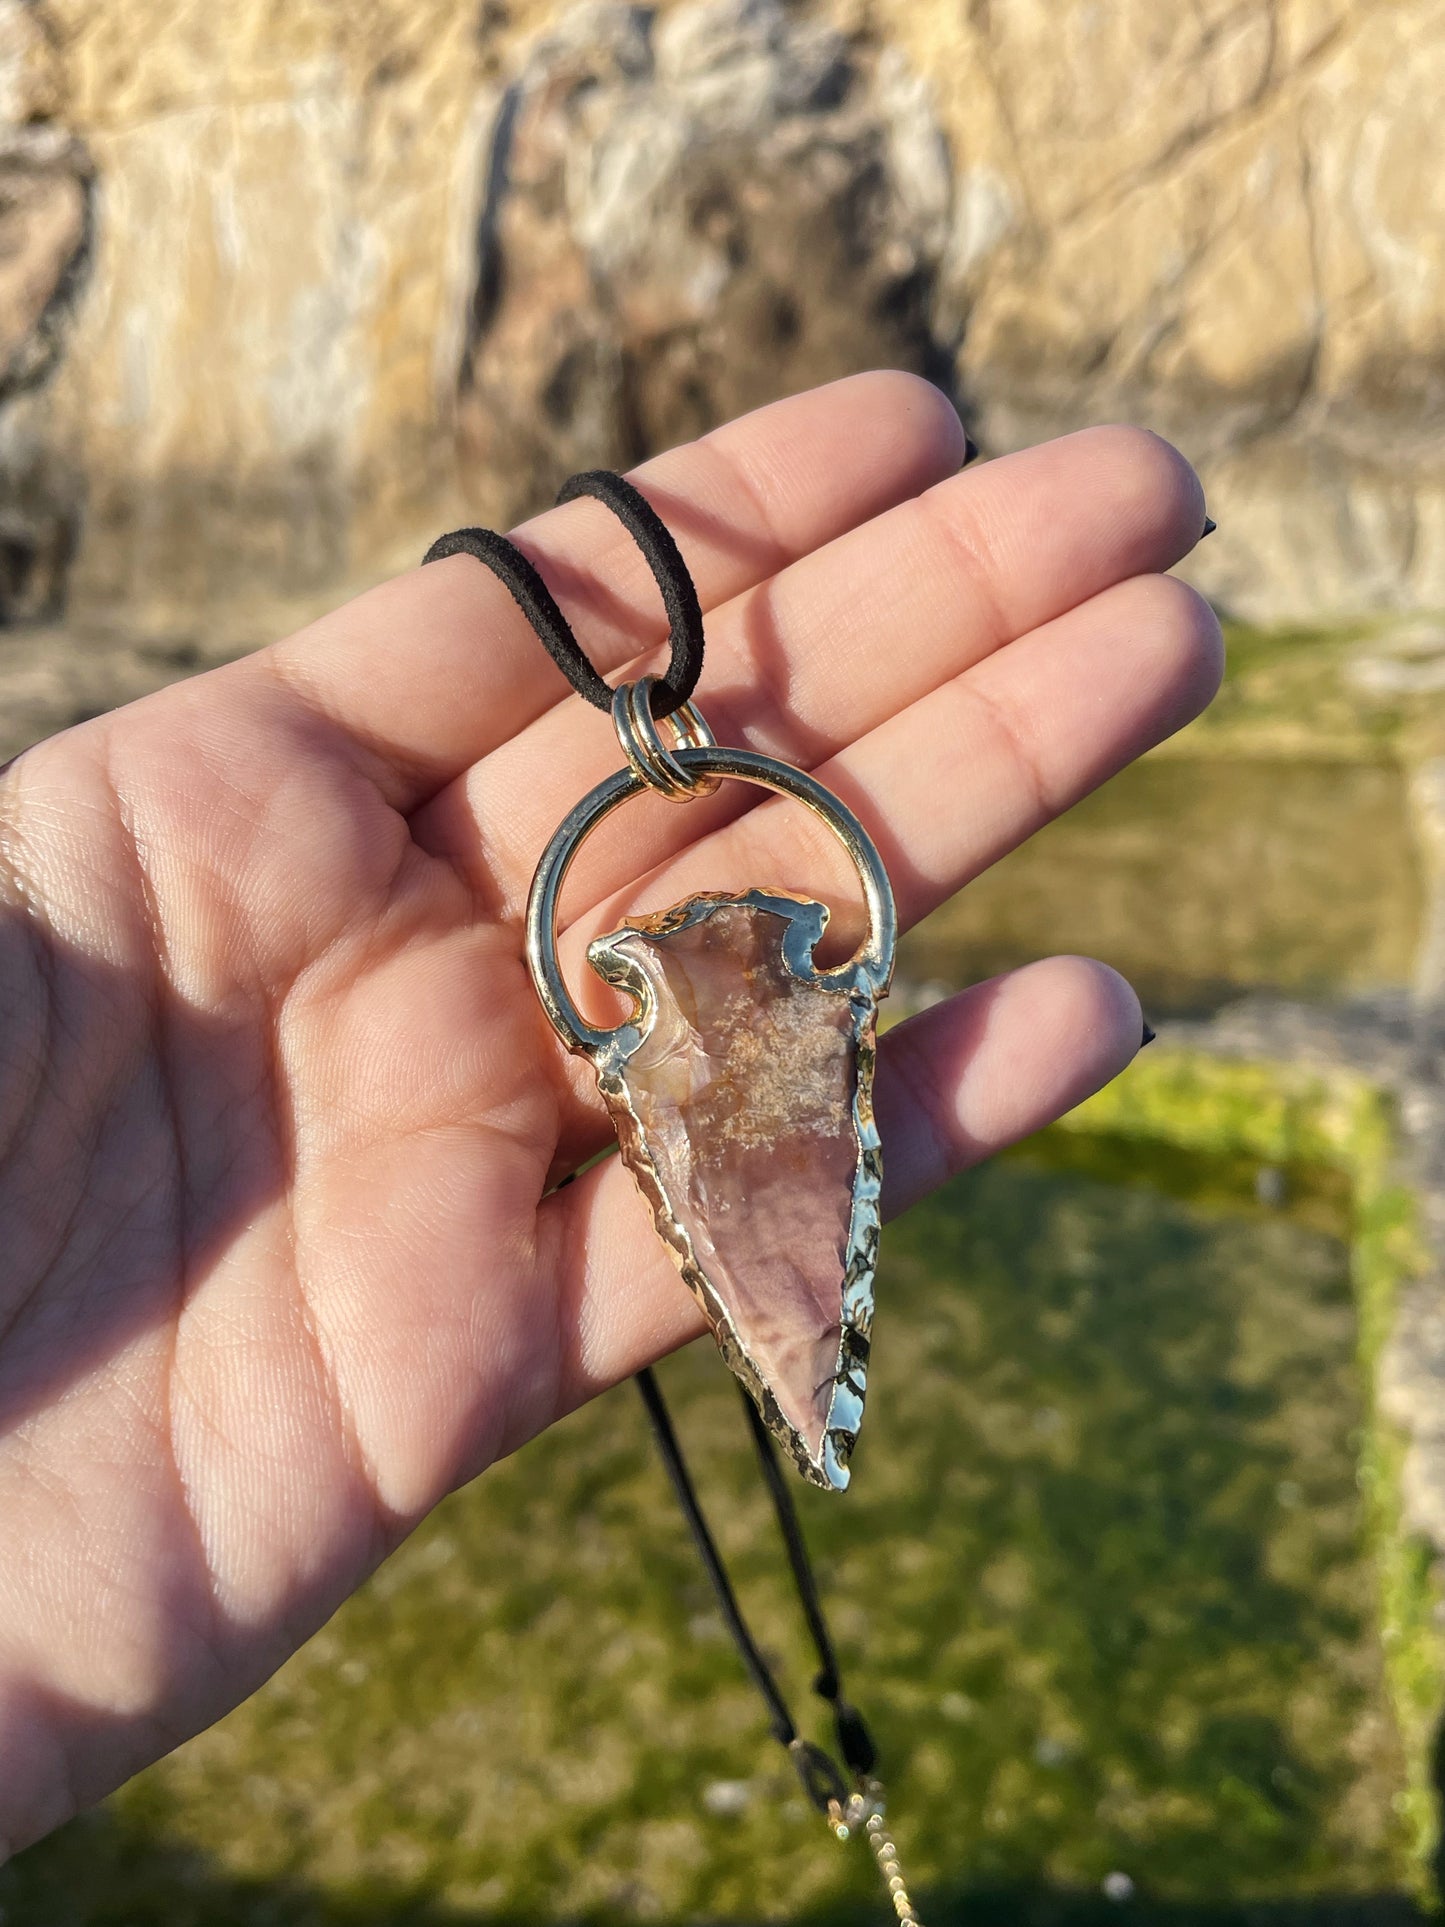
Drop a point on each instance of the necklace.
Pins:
(740, 1088)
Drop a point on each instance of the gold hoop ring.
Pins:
(874, 957)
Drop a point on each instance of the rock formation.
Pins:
(285, 286)
(45, 227)
(1226, 221)
(688, 216)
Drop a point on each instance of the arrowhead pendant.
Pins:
(743, 1107)
(742, 1089)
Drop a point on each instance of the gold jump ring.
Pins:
(645, 750)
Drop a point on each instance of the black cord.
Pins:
(554, 632)
(670, 572)
(779, 1717)
(855, 1742)
(821, 1778)
(533, 598)
(819, 1775)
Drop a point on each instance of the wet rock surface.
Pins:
(1224, 222)
(1398, 1042)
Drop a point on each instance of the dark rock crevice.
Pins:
(686, 218)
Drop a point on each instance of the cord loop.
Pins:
(537, 603)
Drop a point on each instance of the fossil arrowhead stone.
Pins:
(743, 1107)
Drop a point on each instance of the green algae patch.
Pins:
(1108, 1584)
(1299, 1123)
(1362, 693)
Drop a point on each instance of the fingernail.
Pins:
(1210, 525)
(970, 449)
(1149, 1033)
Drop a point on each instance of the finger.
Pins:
(827, 650)
(961, 1081)
(426, 673)
(991, 1066)
(953, 783)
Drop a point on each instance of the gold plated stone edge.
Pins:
(805, 920)
(608, 1050)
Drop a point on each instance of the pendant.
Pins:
(741, 1089)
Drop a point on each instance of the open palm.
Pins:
(280, 1116)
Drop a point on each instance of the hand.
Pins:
(279, 1111)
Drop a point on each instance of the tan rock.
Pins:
(44, 219)
(1224, 222)
(1227, 220)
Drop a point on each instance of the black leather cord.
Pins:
(821, 1779)
(855, 1742)
(780, 1719)
(671, 573)
(533, 598)
(554, 632)
(819, 1774)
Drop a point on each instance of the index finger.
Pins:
(426, 674)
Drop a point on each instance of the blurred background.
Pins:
(1139, 1584)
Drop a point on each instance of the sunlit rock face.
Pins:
(351, 274)
(743, 1091)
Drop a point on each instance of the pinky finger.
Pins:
(995, 1064)
(960, 1081)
